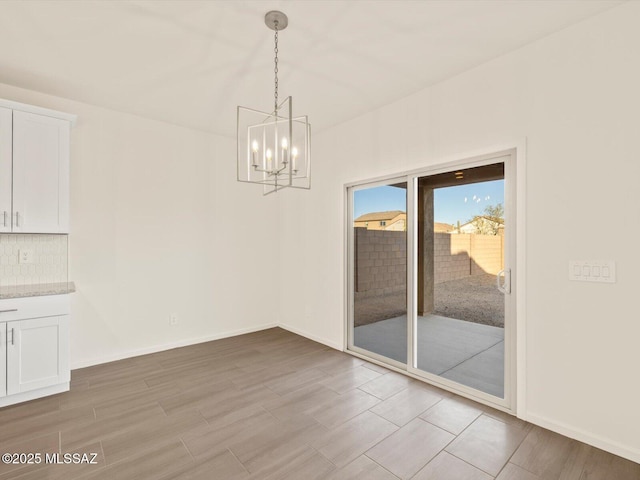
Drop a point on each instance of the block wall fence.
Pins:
(380, 258)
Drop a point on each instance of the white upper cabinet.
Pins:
(34, 169)
(6, 175)
(40, 174)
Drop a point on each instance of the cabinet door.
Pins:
(37, 353)
(6, 141)
(3, 359)
(40, 174)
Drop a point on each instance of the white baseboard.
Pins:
(586, 437)
(302, 333)
(168, 346)
(33, 394)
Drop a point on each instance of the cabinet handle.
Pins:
(13, 334)
(17, 219)
(10, 310)
(5, 218)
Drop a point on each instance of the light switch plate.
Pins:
(592, 271)
(25, 255)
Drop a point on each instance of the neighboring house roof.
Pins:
(442, 227)
(393, 214)
(379, 216)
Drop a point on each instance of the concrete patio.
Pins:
(468, 353)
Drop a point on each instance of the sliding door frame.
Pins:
(349, 281)
(508, 158)
(514, 377)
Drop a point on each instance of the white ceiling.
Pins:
(192, 62)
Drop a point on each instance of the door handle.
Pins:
(506, 286)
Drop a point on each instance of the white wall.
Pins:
(575, 96)
(159, 225)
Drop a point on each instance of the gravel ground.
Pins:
(474, 299)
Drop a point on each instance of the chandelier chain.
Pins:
(275, 70)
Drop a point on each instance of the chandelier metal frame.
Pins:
(274, 147)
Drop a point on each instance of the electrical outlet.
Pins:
(173, 319)
(25, 255)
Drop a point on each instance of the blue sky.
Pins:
(451, 203)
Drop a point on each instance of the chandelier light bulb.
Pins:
(294, 156)
(269, 156)
(254, 146)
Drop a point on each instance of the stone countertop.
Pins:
(37, 290)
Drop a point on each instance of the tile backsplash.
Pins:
(49, 259)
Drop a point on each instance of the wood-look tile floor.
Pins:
(274, 405)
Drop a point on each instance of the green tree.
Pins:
(495, 212)
(491, 221)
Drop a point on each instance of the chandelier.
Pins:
(273, 148)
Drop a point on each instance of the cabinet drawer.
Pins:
(12, 309)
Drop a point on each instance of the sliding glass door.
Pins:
(460, 311)
(430, 279)
(379, 270)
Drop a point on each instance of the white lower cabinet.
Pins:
(3, 359)
(34, 355)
